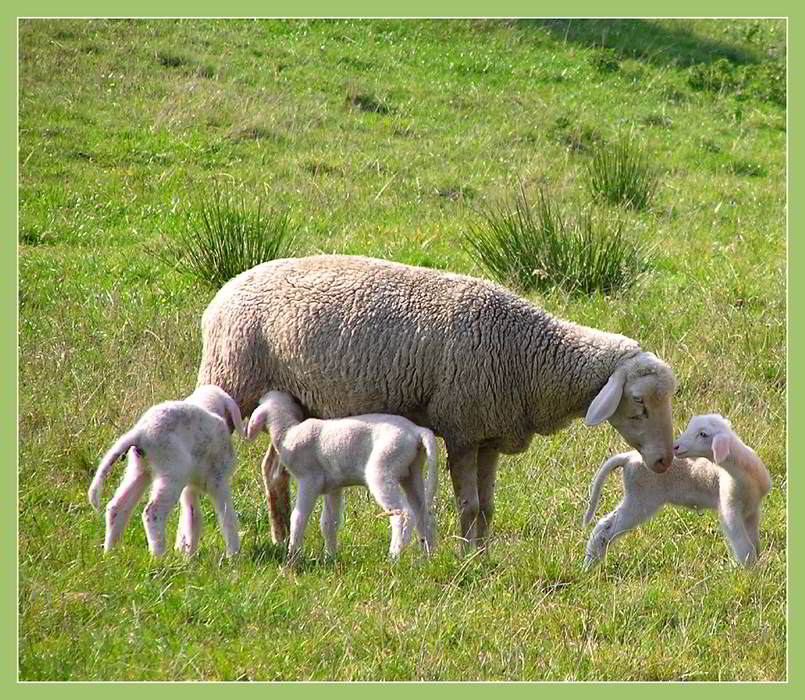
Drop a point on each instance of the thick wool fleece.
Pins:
(353, 335)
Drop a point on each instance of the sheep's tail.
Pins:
(117, 451)
(598, 481)
(432, 458)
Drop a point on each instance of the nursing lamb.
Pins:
(384, 453)
(481, 367)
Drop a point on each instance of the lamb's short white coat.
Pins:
(712, 469)
(181, 447)
(383, 452)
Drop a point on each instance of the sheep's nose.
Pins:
(676, 447)
(661, 464)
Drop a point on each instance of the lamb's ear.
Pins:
(605, 404)
(721, 447)
(234, 416)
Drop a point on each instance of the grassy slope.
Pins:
(120, 122)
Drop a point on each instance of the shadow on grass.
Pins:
(642, 39)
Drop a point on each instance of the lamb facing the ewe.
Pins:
(733, 483)
(481, 367)
(183, 447)
(381, 451)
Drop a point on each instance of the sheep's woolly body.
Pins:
(350, 335)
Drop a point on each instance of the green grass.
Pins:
(621, 173)
(219, 235)
(535, 247)
(123, 122)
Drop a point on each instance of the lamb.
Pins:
(734, 486)
(182, 447)
(381, 451)
(466, 358)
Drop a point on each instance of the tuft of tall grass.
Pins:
(620, 173)
(533, 246)
(218, 236)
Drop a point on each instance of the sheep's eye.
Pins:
(638, 400)
(702, 434)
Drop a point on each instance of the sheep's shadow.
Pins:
(658, 44)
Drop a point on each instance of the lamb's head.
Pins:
(707, 436)
(215, 400)
(274, 404)
(637, 402)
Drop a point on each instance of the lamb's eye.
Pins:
(702, 434)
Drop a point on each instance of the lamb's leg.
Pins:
(414, 489)
(307, 493)
(331, 519)
(188, 533)
(630, 512)
(487, 471)
(752, 524)
(164, 495)
(464, 475)
(734, 528)
(278, 495)
(221, 494)
(118, 512)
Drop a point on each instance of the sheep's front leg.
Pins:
(463, 466)
(277, 485)
(188, 533)
(164, 495)
(734, 528)
(487, 471)
(119, 509)
(308, 491)
(331, 519)
(752, 524)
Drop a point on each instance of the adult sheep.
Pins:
(479, 366)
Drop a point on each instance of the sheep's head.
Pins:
(637, 402)
(707, 436)
(277, 404)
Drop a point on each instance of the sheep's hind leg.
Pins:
(414, 489)
(487, 471)
(221, 495)
(118, 512)
(276, 481)
(164, 496)
(629, 513)
(188, 533)
(464, 475)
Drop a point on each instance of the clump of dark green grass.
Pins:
(620, 173)
(533, 246)
(219, 236)
(367, 102)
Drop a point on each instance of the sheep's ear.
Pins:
(234, 416)
(721, 447)
(605, 404)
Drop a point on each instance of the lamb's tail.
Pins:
(117, 451)
(598, 481)
(432, 458)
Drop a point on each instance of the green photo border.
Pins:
(415, 8)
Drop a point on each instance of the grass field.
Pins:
(387, 138)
